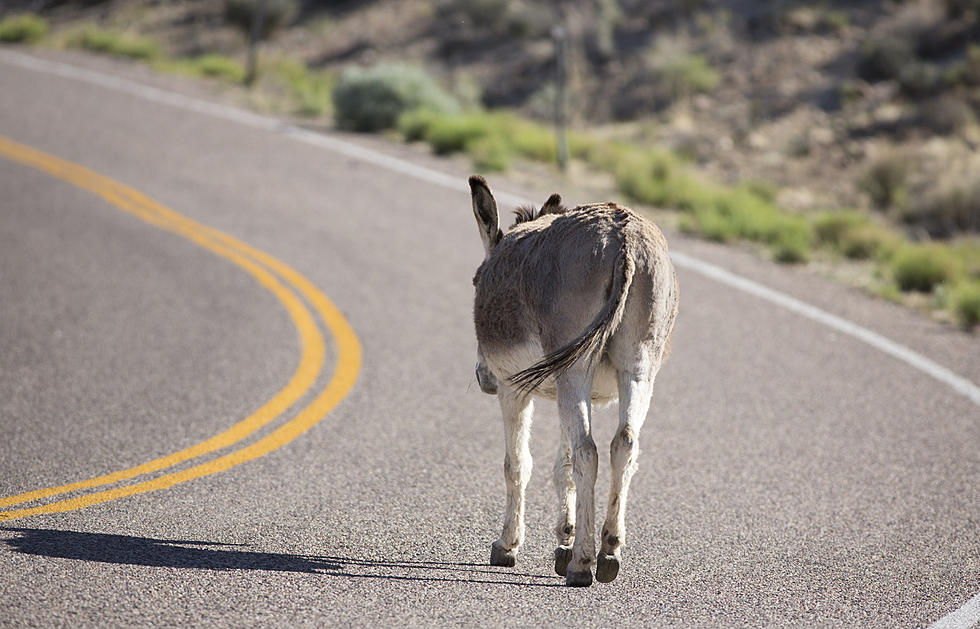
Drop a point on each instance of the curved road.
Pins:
(791, 474)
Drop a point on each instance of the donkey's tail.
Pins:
(592, 342)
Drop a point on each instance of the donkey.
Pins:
(576, 306)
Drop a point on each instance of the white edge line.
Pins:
(968, 615)
(964, 617)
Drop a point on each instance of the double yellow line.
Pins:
(275, 276)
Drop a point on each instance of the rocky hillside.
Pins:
(861, 103)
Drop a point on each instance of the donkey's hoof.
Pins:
(578, 579)
(563, 555)
(606, 567)
(500, 556)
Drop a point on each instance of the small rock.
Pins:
(821, 136)
(757, 141)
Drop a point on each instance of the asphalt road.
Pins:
(790, 476)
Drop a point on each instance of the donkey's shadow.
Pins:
(217, 556)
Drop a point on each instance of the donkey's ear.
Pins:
(485, 211)
(552, 205)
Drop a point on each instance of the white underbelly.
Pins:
(505, 364)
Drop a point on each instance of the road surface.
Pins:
(175, 273)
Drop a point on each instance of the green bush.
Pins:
(309, 91)
(115, 43)
(854, 235)
(711, 224)
(414, 125)
(922, 267)
(24, 28)
(966, 304)
(685, 75)
(531, 139)
(372, 99)
(220, 66)
(885, 183)
(215, 66)
(451, 134)
(830, 228)
(868, 241)
(791, 242)
(655, 178)
(491, 138)
(491, 154)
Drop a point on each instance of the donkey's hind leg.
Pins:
(634, 402)
(517, 411)
(575, 413)
(565, 488)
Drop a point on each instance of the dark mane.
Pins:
(527, 213)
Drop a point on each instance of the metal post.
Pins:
(255, 34)
(561, 78)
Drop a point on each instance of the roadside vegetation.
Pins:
(23, 28)
(914, 242)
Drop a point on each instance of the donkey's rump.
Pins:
(554, 290)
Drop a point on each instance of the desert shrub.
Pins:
(450, 134)
(220, 66)
(854, 235)
(115, 43)
(948, 211)
(684, 75)
(830, 228)
(884, 58)
(791, 241)
(710, 223)
(372, 99)
(581, 146)
(741, 213)
(276, 13)
(965, 303)
(945, 115)
(24, 28)
(750, 215)
(309, 91)
(531, 139)
(490, 138)
(885, 182)
(868, 241)
(491, 154)
(922, 267)
(656, 178)
(605, 155)
(414, 125)
(919, 79)
(213, 65)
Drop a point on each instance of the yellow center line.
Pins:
(250, 259)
